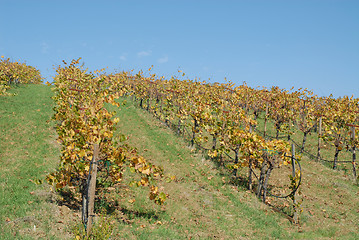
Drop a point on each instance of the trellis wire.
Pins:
(168, 122)
(304, 151)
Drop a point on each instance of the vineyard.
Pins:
(271, 161)
(14, 72)
(220, 115)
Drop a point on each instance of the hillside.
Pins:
(203, 203)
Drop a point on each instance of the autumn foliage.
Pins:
(82, 121)
(14, 72)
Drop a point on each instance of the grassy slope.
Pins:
(330, 199)
(28, 150)
(202, 203)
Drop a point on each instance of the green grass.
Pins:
(28, 150)
(332, 190)
(202, 203)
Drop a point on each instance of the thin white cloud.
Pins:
(144, 53)
(44, 47)
(163, 59)
(123, 58)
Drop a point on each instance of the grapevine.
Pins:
(82, 121)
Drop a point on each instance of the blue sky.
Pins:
(310, 44)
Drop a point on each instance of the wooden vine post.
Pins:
(92, 189)
(265, 121)
(319, 137)
(295, 215)
(353, 151)
(250, 183)
(194, 130)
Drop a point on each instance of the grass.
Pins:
(320, 186)
(200, 201)
(28, 150)
(202, 204)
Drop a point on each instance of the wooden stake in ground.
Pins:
(250, 167)
(354, 154)
(265, 121)
(319, 136)
(92, 189)
(295, 215)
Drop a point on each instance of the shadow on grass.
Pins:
(105, 206)
(68, 199)
(133, 214)
(243, 183)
